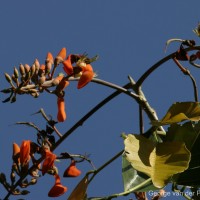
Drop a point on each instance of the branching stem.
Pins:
(140, 99)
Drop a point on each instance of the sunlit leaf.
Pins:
(179, 112)
(159, 161)
(80, 190)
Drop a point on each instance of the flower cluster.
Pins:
(38, 78)
(25, 153)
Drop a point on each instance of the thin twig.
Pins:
(150, 113)
(106, 164)
(194, 86)
(76, 125)
(187, 72)
(47, 119)
(138, 91)
(159, 63)
(88, 115)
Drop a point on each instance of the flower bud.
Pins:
(24, 192)
(8, 90)
(60, 57)
(33, 69)
(16, 73)
(12, 177)
(33, 181)
(27, 68)
(22, 70)
(8, 78)
(41, 80)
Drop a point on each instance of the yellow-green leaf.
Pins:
(179, 112)
(80, 190)
(159, 161)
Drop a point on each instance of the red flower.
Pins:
(85, 71)
(25, 150)
(48, 161)
(85, 78)
(67, 65)
(72, 170)
(61, 115)
(58, 189)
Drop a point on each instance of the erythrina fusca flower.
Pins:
(67, 65)
(61, 115)
(82, 69)
(25, 150)
(48, 161)
(72, 170)
(86, 77)
(58, 189)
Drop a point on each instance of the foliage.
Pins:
(150, 160)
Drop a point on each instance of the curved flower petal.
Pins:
(88, 67)
(67, 65)
(58, 189)
(25, 150)
(85, 78)
(61, 115)
(72, 170)
(48, 161)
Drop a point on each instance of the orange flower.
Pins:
(72, 170)
(87, 67)
(67, 65)
(85, 78)
(58, 189)
(60, 57)
(85, 71)
(61, 115)
(25, 150)
(60, 88)
(48, 161)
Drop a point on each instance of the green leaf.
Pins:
(179, 112)
(80, 190)
(133, 178)
(188, 133)
(159, 161)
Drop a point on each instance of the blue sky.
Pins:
(129, 37)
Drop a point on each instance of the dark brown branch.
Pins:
(159, 63)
